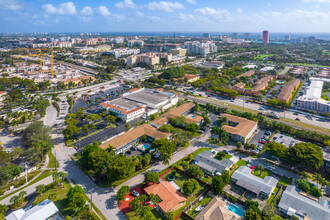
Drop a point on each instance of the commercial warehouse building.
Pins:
(238, 128)
(262, 188)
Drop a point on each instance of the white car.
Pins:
(135, 193)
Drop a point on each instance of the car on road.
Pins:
(297, 119)
(135, 193)
(261, 108)
(232, 100)
(295, 113)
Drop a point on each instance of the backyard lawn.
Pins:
(203, 202)
(179, 178)
(285, 181)
(257, 172)
(242, 163)
(132, 216)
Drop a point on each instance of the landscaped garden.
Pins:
(192, 213)
(261, 172)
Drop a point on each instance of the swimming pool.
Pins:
(192, 116)
(146, 146)
(280, 81)
(236, 210)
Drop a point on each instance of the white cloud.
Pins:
(66, 8)
(164, 6)
(206, 11)
(103, 11)
(126, 4)
(239, 10)
(191, 1)
(88, 11)
(139, 14)
(11, 5)
(320, 1)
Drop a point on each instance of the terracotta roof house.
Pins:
(246, 74)
(216, 210)
(184, 109)
(287, 90)
(239, 129)
(171, 198)
(127, 139)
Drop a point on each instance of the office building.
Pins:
(207, 35)
(287, 37)
(311, 39)
(265, 37)
(235, 35)
(247, 36)
(154, 48)
(149, 58)
(135, 43)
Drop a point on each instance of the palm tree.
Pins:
(166, 158)
(260, 167)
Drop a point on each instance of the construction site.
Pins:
(39, 65)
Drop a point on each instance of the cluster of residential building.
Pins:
(311, 98)
(287, 90)
(324, 73)
(299, 70)
(202, 48)
(149, 58)
(122, 52)
(260, 85)
(135, 43)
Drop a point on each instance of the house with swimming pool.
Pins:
(186, 110)
(261, 188)
(132, 138)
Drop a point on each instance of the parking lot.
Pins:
(260, 134)
(101, 136)
(107, 95)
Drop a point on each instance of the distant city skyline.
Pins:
(28, 16)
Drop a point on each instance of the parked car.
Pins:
(268, 133)
(232, 100)
(262, 142)
(208, 95)
(135, 193)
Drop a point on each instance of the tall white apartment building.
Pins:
(312, 100)
(202, 48)
(122, 52)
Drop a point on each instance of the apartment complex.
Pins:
(238, 128)
(184, 110)
(134, 43)
(202, 48)
(179, 52)
(294, 203)
(261, 84)
(287, 90)
(299, 70)
(149, 58)
(246, 74)
(122, 52)
(311, 99)
(262, 188)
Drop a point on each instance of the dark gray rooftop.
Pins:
(205, 158)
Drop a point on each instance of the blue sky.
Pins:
(164, 16)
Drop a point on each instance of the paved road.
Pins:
(254, 106)
(30, 189)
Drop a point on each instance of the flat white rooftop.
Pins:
(314, 90)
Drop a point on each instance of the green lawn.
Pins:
(228, 156)
(276, 217)
(242, 163)
(272, 196)
(262, 174)
(203, 202)
(285, 181)
(52, 160)
(179, 178)
(60, 191)
(261, 56)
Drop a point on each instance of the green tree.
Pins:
(190, 186)
(146, 160)
(217, 185)
(70, 130)
(315, 191)
(169, 216)
(261, 168)
(306, 154)
(122, 193)
(41, 189)
(111, 119)
(277, 149)
(304, 185)
(225, 176)
(193, 127)
(41, 105)
(151, 177)
(110, 69)
(239, 145)
(3, 209)
(195, 171)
